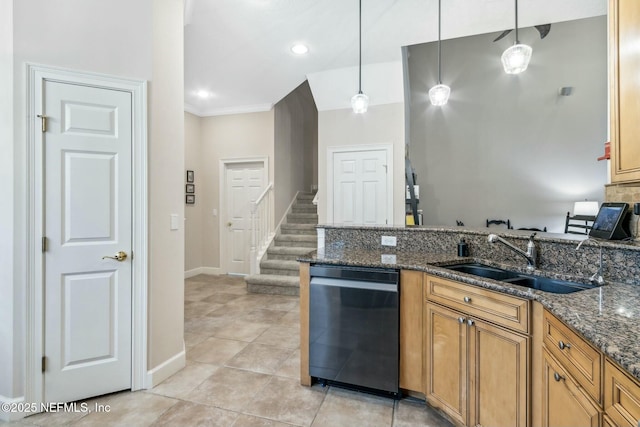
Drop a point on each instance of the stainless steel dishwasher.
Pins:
(354, 327)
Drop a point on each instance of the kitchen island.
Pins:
(601, 324)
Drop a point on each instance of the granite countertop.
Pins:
(608, 316)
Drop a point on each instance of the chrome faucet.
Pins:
(530, 255)
(596, 278)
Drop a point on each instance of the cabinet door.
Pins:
(621, 396)
(498, 376)
(564, 403)
(411, 347)
(624, 28)
(446, 361)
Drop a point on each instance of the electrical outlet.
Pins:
(388, 241)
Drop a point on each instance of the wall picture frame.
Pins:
(190, 176)
(190, 188)
(190, 199)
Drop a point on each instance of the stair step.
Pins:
(308, 229)
(306, 196)
(280, 267)
(287, 253)
(273, 284)
(297, 240)
(302, 218)
(304, 208)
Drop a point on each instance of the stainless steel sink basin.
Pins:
(534, 282)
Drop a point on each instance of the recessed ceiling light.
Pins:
(204, 94)
(299, 49)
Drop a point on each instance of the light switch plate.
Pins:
(388, 241)
(174, 222)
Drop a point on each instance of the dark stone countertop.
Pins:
(608, 316)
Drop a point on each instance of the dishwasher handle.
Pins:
(353, 284)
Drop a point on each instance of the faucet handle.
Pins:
(532, 236)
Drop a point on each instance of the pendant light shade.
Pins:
(360, 101)
(439, 94)
(516, 58)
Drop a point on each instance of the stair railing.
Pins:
(261, 227)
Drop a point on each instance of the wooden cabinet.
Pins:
(624, 36)
(446, 361)
(476, 371)
(564, 402)
(411, 334)
(579, 358)
(621, 396)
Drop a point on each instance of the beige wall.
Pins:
(224, 138)
(166, 184)
(141, 40)
(193, 214)
(381, 124)
(296, 147)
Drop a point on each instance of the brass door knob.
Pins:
(120, 256)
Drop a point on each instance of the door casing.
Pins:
(34, 337)
(223, 197)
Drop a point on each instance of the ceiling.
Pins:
(239, 50)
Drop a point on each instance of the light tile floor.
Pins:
(243, 366)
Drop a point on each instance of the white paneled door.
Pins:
(243, 184)
(87, 171)
(360, 187)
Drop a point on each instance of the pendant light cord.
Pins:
(517, 39)
(439, 44)
(360, 47)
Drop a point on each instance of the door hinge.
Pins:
(43, 118)
(44, 244)
(44, 363)
(132, 255)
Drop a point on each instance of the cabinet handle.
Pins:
(460, 319)
(470, 322)
(558, 377)
(467, 299)
(563, 345)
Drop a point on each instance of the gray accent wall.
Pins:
(509, 146)
(296, 147)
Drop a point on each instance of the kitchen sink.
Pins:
(528, 281)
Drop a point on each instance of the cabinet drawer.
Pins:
(495, 307)
(621, 396)
(580, 359)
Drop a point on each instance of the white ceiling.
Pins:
(239, 50)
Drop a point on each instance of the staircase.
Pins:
(279, 271)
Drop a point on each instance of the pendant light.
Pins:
(439, 94)
(516, 58)
(360, 101)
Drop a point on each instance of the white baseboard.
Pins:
(166, 369)
(212, 271)
(191, 273)
(12, 415)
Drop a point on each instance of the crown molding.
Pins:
(256, 108)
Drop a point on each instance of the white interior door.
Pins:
(87, 299)
(243, 184)
(360, 189)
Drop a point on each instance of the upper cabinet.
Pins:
(624, 37)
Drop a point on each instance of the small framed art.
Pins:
(190, 199)
(190, 176)
(190, 188)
